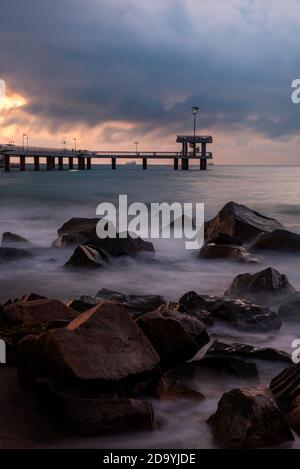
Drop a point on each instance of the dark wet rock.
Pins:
(8, 254)
(198, 306)
(215, 367)
(102, 349)
(245, 315)
(80, 305)
(249, 418)
(121, 246)
(76, 231)
(224, 238)
(219, 348)
(226, 252)
(135, 304)
(95, 416)
(170, 389)
(293, 416)
(267, 286)
(290, 310)
(37, 312)
(30, 297)
(241, 222)
(278, 241)
(88, 257)
(175, 336)
(286, 387)
(11, 239)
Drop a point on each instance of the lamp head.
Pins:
(195, 109)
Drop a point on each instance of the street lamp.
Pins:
(25, 136)
(195, 110)
(75, 143)
(136, 146)
(64, 144)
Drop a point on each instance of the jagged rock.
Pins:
(30, 297)
(286, 387)
(219, 348)
(249, 418)
(37, 312)
(170, 389)
(12, 239)
(102, 349)
(290, 309)
(214, 367)
(175, 336)
(76, 231)
(278, 241)
(80, 305)
(121, 246)
(198, 306)
(135, 304)
(86, 256)
(227, 252)
(224, 238)
(245, 315)
(241, 222)
(8, 254)
(267, 286)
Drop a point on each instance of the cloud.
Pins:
(86, 63)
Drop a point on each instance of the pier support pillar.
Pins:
(71, 165)
(144, 163)
(81, 162)
(114, 163)
(88, 163)
(60, 163)
(49, 163)
(203, 162)
(7, 162)
(52, 162)
(22, 163)
(36, 163)
(185, 164)
(175, 163)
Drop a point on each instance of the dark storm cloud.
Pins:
(91, 61)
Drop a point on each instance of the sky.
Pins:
(111, 72)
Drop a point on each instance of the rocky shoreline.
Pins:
(97, 362)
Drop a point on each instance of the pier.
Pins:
(192, 148)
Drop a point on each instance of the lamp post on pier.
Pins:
(136, 143)
(195, 110)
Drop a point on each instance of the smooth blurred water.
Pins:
(36, 204)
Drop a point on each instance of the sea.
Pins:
(35, 204)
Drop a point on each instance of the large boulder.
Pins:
(266, 286)
(175, 336)
(278, 241)
(249, 418)
(76, 231)
(121, 246)
(13, 240)
(220, 349)
(245, 315)
(240, 222)
(286, 387)
(102, 349)
(197, 305)
(223, 238)
(226, 252)
(88, 257)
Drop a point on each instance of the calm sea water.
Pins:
(34, 205)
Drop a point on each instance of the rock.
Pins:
(76, 231)
(198, 306)
(135, 304)
(245, 315)
(214, 367)
(293, 416)
(30, 297)
(93, 416)
(8, 254)
(11, 239)
(227, 252)
(286, 387)
(240, 222)
(170, 389)
(290, 310)
(249, 418)
(37, 312)
(224, 238)
(79, 305)
(278, 241)
(121, 246)
(219, 348)
(267, 286)
(102, 349)
(175, 336)
(15, 442)
(86, 256)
